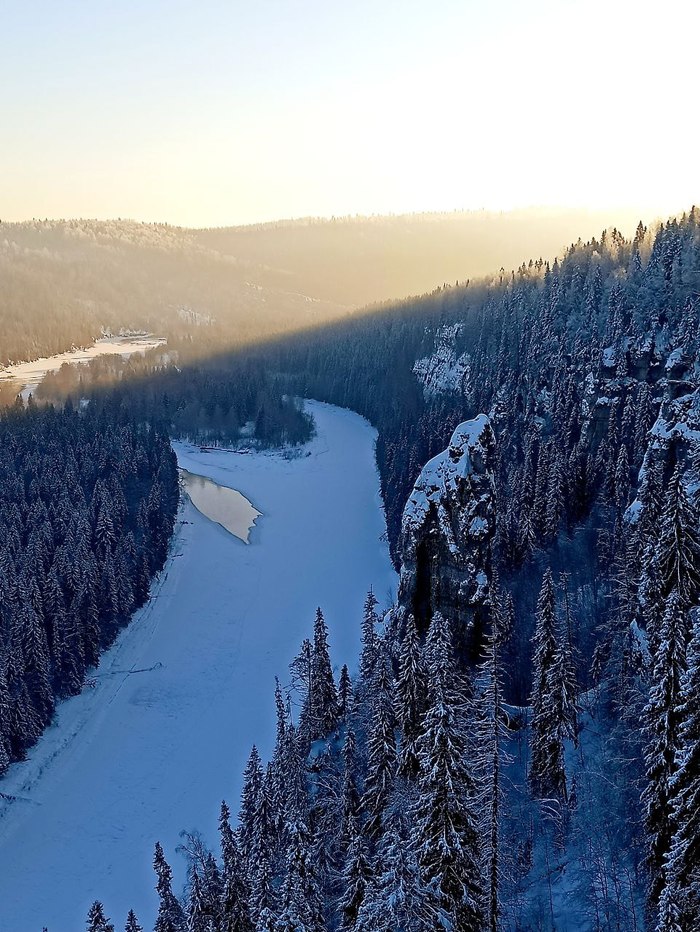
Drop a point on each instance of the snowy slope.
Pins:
(147, 754)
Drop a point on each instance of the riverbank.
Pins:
(188, 686)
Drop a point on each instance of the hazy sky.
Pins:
(211, 112)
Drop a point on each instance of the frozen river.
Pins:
(188, 686)
(27, 375)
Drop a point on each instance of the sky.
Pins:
(222, 112)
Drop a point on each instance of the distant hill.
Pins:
(63, 281)
(363, 260)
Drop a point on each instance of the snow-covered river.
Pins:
(27, 375)
(188, 687)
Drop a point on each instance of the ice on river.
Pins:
(148, 753)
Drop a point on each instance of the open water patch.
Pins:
(220, 504)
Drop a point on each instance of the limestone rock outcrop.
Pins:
(446, 533)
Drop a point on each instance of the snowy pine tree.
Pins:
(381, 749)
(324, 713)
(234, 911)
(395, 898)
(300, 902)
(683, 861)
(357, 871)
(411, 692)
(679, 543)
(490, 734)
(662, 732)
(170, 915)
(345, 693)
(547, 774)
(446, 837)
(252, 785)
(132, 923)
(97, 921)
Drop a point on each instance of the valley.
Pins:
(188, 687)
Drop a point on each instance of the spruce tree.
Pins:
(300, 905)
(344, 693)
(97, 921)
(411, 692)
(683, 862)
(252, 783)
(662, 735)
(381, 749)
(679, 543)
(370, 642)
(132, 923)
(198, 918)
(490, 734)
(670, 919)
(324, 704)
(350, 795)
(446, 838)
(234, 911)
(356, 874)
(395, 898)
(547, 774)
(170, 915)
(5, 745)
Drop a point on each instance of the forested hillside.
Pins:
(87, 506)
(534, 347)
(546, 776)
(63, 282)
(220, 400)
(366, 260)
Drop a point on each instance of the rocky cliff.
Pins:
(446, 532)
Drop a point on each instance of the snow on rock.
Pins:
(676, 359)
(446, 530)
(675, 435)
(188, 686)
(444, 370)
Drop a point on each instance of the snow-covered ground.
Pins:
(147, 754)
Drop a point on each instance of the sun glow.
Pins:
(232, 112)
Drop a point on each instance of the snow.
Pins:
(439, 482)
(634, 511)
(676, 358)
(190, 316)
(440, 475)
(640, 638)
(144, 755)
(609, 356)
(443, 370)
(678, 421)
(30, 374)
(478, 527)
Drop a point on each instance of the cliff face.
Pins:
(446, 531)
(444, 370)
(675, 435)
(677, 427)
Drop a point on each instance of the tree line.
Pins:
(87, 506)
